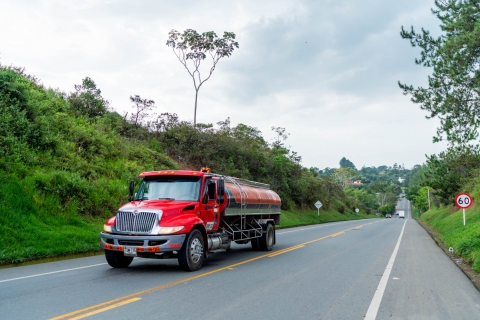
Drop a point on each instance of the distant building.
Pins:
(356, 182)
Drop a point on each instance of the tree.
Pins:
(282, 135)
(165, 121)
(421, 199)
(448, 172)
(190, 45)
(453, 88)
(386, 208)
(141, 106)
(344, 175)
(88, 99)
(345, 163)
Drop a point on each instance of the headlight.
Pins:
(107, 227)
(169, 230)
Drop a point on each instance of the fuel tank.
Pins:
(248, 197)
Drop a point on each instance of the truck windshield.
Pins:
(169, 188)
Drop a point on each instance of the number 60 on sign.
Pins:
(463, 200)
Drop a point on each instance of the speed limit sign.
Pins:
(463, 200)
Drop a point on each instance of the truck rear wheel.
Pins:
(191, 255)
(116, 259)
(266, 240)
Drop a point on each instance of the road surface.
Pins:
(367, 269)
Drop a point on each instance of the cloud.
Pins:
(327, 71)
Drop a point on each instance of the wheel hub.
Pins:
(196, 250)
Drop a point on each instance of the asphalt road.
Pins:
(369, 269)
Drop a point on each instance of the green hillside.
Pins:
(62, 171)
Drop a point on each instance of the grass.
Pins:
(36, 231)
(465, 240)
(301, 218)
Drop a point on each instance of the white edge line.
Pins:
(377, 298)
(44, 274)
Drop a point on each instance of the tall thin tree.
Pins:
(190, 45)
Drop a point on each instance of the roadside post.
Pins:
(318, 204)
(357, 211)
(463, 201)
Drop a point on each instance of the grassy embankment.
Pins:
(300, 218)
(465, 240)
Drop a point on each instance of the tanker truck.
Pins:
(188, 215)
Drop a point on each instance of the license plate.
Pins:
(130, 251)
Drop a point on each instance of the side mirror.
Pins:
(221, 191)
(221, 187)
(131, 188)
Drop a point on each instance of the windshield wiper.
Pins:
(166, 198)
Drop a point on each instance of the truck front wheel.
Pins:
(191, 255)
(116, 259)
(266, 240)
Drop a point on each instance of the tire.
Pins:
(116, 259)
(192, 253)
(267, 239)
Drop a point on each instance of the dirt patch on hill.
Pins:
(459, 262)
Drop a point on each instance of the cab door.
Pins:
(209, 206)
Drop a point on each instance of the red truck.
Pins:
(188, 215)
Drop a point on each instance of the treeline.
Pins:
(443, 176)
(372, 188)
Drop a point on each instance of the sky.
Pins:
(325, 70)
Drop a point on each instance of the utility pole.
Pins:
(428, 192)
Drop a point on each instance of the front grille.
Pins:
(141, 222)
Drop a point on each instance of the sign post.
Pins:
(463, 201)
(318, 204)
(356, 211)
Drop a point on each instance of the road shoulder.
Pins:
(458, 261)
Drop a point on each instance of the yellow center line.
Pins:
(88, 314)
(82, 313)
(276, 253)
